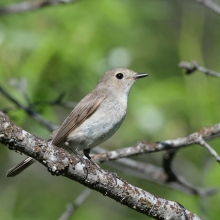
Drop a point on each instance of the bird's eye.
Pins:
(119, 75)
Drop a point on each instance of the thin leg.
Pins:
(67, 144)
(86, 153)
(82, 160)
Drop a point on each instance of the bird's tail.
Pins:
(14, 171)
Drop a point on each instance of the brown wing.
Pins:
(86, 107)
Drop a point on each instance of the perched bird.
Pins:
(95, 118)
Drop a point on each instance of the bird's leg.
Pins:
(86, 153)
(67, 144)
(82, 160)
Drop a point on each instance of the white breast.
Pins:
(101, 125)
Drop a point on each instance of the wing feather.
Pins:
(85, 108)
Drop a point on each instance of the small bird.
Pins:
(95, 118)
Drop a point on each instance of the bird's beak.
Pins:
(140, 75)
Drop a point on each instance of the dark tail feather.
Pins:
(20, 167)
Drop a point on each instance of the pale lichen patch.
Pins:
(5, 125)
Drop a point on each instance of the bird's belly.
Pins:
(97, 128)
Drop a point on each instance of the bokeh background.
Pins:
(67, 48)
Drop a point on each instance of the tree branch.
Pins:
(60, 162)
(198, 137)
(194, 66)
(30, 6)
(179, 180)
(156, 174)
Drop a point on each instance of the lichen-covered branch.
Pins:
(198, 138)
(60, 162)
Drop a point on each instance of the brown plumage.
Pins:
(95, 118)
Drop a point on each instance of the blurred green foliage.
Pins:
(67, 48)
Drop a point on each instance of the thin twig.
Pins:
(21, 86)
(167, 161)
(30, 6)
(211, 5)
(210, 149)
(205, 133)
(57, 102)
(194, 66)
(155, 174)
(71, 208)
(28, 110)
(179, 180)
